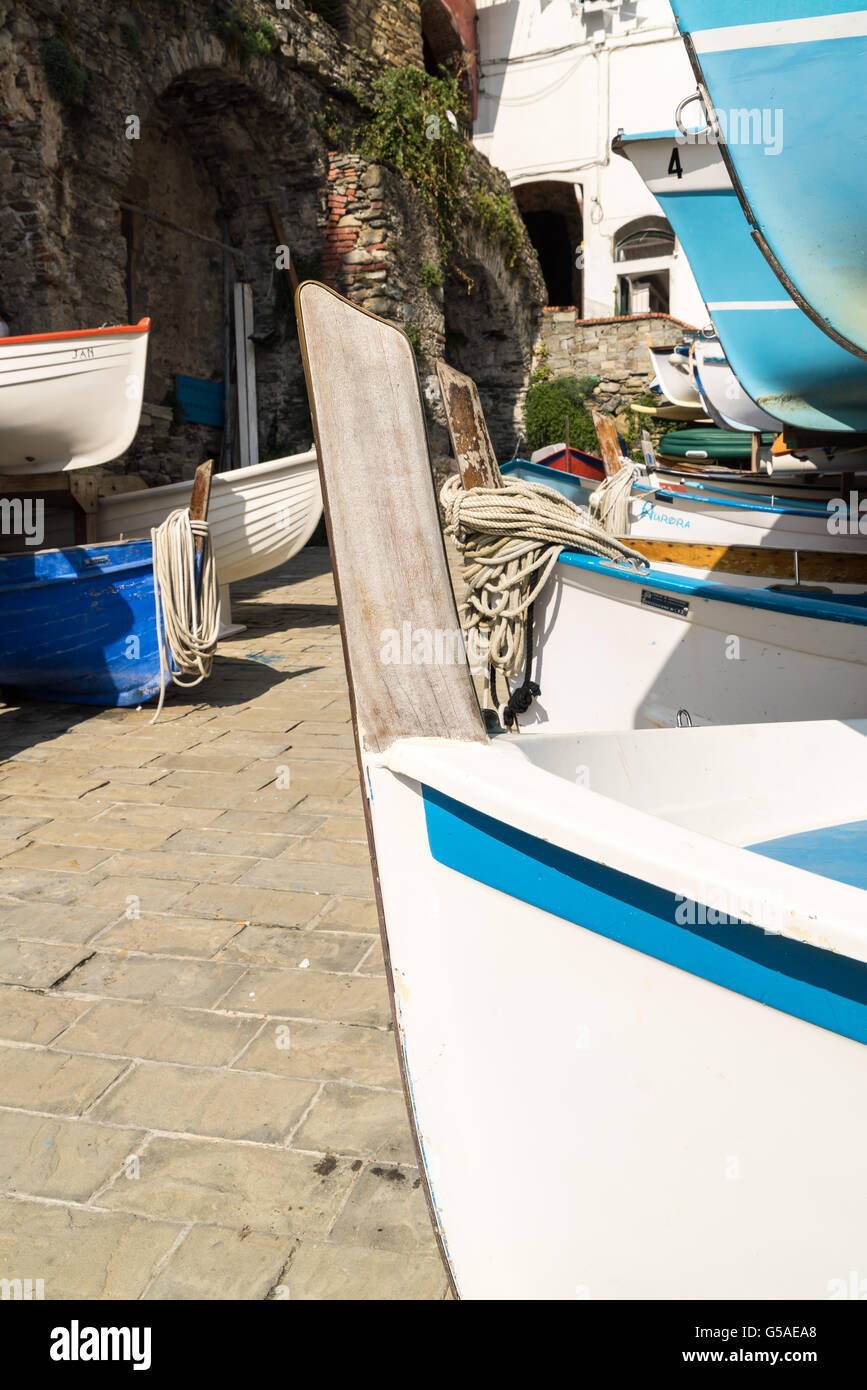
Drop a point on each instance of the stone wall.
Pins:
(117, 202)
(387, 29)
(612, 349)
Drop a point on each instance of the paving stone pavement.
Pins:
(199, 1095)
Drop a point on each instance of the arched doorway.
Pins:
(552, 215)
(214, 153)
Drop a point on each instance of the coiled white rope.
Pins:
(187, 612)
(510, 539)
(609, 502)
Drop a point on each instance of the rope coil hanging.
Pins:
(510, 539)
(609, 502)
(187, 611)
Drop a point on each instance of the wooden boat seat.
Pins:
(813, 566)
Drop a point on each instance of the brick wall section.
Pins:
(355, 256)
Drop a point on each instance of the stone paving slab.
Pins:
(199, 1091)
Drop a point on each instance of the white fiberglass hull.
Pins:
(616, 648)
(259, 516)
(709, 521)
(723, 394)
(615, 1069)
(629, 970)
(673, 372)
(70, 400)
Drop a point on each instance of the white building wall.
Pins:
(558, 79)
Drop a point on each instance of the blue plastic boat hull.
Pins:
(802, 62)
(79, 625)
(784, 362)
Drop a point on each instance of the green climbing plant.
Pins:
(410, 125)
(245, 31)
(499, 224)
(550, 402)
(431, 278)
(63, 73)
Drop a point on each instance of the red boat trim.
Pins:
(143, 326)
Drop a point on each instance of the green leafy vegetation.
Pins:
(413, 332)
(550, 400)
(431, 278)
(327, 124)
(243, 30)
(499, 224)
(63, 73)
(409, 126)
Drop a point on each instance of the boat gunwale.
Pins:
(796, 605)
(632, 840)
(143, 326)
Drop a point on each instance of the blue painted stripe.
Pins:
(841, 608)
(821, 987)
(579, 492)
(695, 15)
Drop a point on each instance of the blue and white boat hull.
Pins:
(628, 969)
(782, 361)
(79, 625)
(786, 80)
(658, 513)
(632, 1035)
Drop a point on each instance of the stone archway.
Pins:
(213, 154)
(552, 216)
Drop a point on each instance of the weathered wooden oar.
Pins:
(201, 495)
(390, 561)
(390, 566)
(468, 431)
(609, 444)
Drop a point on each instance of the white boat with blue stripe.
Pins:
(628, 967)
(779, 357)
(786, 82)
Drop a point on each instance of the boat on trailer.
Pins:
(70, 400)
(645, 950)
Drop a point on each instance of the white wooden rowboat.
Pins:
(628, 969)
(70, 400)
(259, 516)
